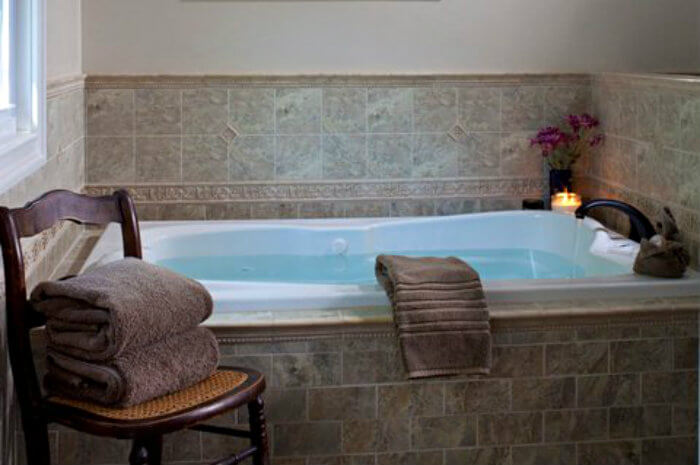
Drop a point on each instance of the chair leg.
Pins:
(36, 442)
(146, 451)
(258, 431)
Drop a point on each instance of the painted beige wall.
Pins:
(63, 48)
(443, 36)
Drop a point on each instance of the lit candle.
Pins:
(566, 202)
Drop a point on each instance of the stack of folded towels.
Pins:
(125, 333)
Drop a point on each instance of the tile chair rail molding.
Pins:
(144, 427)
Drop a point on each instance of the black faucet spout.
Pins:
(640, 226)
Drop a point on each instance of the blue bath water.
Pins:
(501, 264)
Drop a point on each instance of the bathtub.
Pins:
(285, 265)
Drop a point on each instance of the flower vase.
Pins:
(559, 181)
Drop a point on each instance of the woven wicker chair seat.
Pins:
(220, 383)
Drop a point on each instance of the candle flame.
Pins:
(567, 199)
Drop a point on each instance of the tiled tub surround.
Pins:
(585, 383)
(64, 168)
(230, 148)
(651, 157)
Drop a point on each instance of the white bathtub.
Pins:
(282, 265)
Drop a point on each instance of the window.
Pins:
(22, 89)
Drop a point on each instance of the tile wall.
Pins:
(651, 157)
(322, 147)
(593, 391)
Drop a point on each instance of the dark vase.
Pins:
(559, 181)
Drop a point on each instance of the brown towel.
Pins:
(137, 374)
(127, 303)
(440, 315)
(664, 255)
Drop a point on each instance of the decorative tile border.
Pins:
(342, 190)
(179, 81)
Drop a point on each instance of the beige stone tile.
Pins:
(478, 456)
(544, 393)
(110, 159)
(158, 111)
(641, 355)
(522, 108)
(296, 370)
(518, 158)
(517, 361)
(110, 112)
(372, 366)
(344, 156)
(611, 452)
(298, 111)
(577, 357)
(634, 422)
(670, 450)
(560, 101)
(306, 438)
(158, 158)
(182, 212)
(412, 208)
(410, 458)
(298, 157)
(204, 159)
(389, 110)
(360, 436)
(410, 400)
(560, 454)
(389, 155)
(252, 110)
(342, 403)
(434, 109)
(480, 155)
(678, 387)
(228, 211)
(510, 428)
(685, 420)
(252, 158)
(274, 210)
(344, 110)
(478, 396)
(607, 390)
(480, 108)
(443, 432)
(435, 156)
(204, 111)
(321, 210)
(456, 206)
(575, 425)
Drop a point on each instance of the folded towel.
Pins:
(127, 303)
(664, 255)
(137, 374)
(440, 315)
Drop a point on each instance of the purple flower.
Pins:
(596, 140)
(574, 122)
(563, 148)
(588, 122)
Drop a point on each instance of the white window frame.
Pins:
(24, 151)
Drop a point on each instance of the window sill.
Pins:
(19, 158)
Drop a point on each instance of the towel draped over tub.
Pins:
(440, 315)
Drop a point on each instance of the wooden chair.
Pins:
(145, 424)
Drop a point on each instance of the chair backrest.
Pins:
(35, 217)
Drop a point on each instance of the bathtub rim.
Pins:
(527, 291)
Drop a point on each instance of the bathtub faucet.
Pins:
(640, 226)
